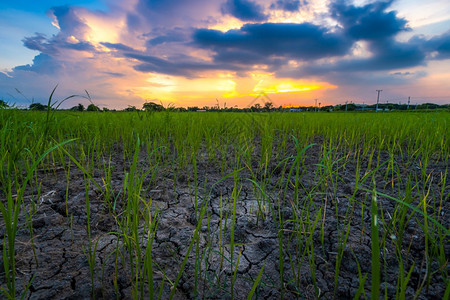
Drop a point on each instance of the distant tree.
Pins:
(351, 107)
(268, 106)
(130, 108)
(428, 106)
(348, 107)
(38, 106)
(92, 107)
(193, 108)
(79, 107)
(152, 106)
(256, 107)
(327, 108)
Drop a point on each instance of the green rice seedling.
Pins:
(375, 246)
(400, 217)
(183, 264)
(51, 108)
(151, 225)
(255, 284)
(91, 248)
(342, 242)
(234, 276)
(234, 195)
(30, 229)
(445, 231)
(10, 214)
(194, 162)
(67, 189)
(196, 233)
(403, 280)
(310, 228)
(362, 281)
(131, 224)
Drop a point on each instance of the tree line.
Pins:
(265, 107)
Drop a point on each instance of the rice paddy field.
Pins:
(224, 205)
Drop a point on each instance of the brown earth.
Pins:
(56, 259)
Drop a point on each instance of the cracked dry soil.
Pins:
(61, 271)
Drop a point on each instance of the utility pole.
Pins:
(409, 100)
(346, 105)
(378, 99)
(315, 109)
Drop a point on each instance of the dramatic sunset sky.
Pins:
(192, 52)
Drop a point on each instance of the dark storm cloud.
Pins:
(292, 41)
(440, 46)
(53, 45)
(114, 74)
(134, 21)
(70, 26)
(389, 55)
(164, 39)
(378, 27)
(245, 58)
(244, 10)
(287, 5)
(175, 67)
(167, 36)
(80, 46)
(169, 13)
(39, 43)
(118, 46)
(274, 44)
(68, 21)
(161, 5)
(368, 22)
(42, 64)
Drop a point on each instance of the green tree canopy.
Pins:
(79, 107)
(38, 106)
(92, 107)
(152, 106)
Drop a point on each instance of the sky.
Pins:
(227, 52)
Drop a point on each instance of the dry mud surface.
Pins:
(61, 270)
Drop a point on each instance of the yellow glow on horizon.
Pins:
(176, 88)
(271, 85)
(225, 86)
(285, 87)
